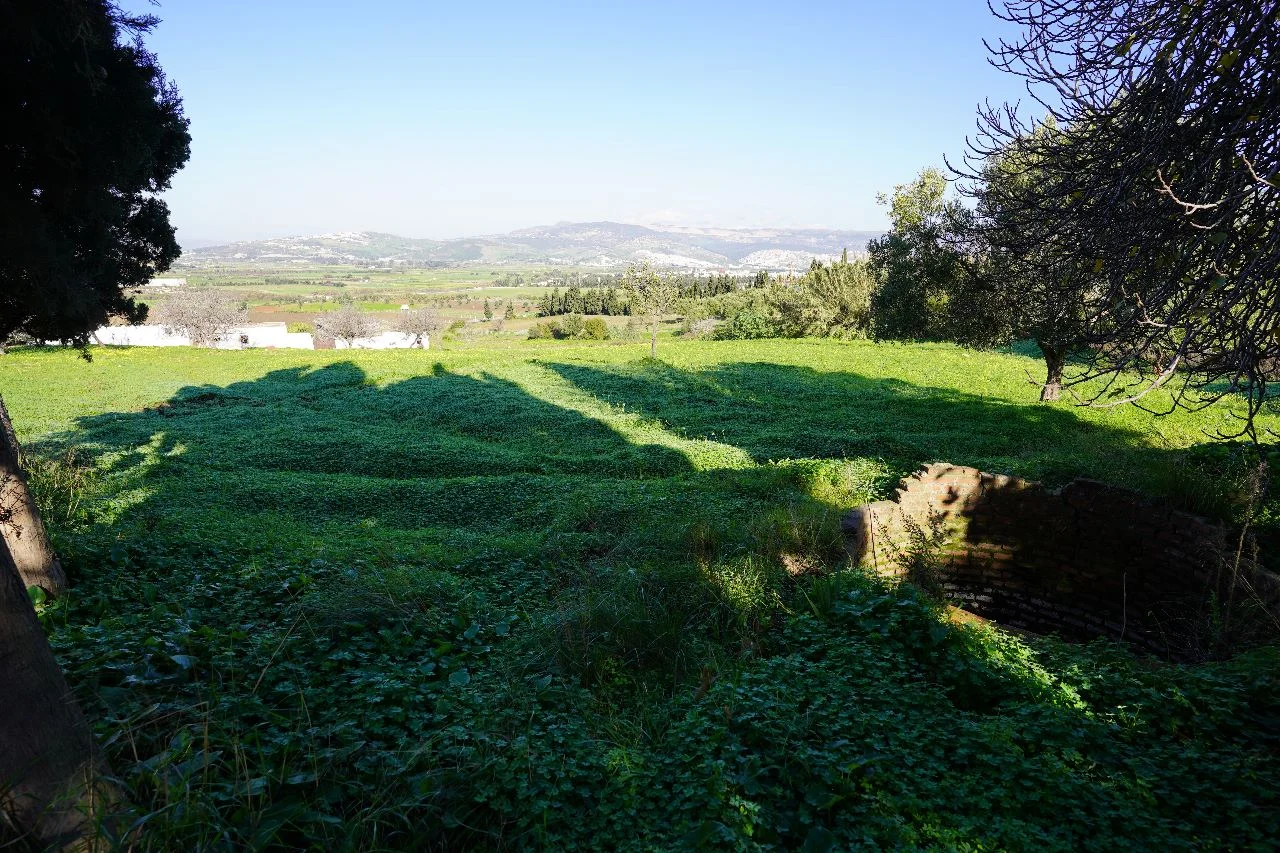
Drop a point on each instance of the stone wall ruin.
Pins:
(1083, 561)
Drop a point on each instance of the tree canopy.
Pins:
(1163, 167)
(652, 295)
(914, 261)
(90, 132)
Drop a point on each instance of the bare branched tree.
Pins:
(1159, 170)
(346, 324)
(202, 314)
(422, 323)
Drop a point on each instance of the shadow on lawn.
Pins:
(332, 421)
(775, 411)
(449, 449)
(297, 442)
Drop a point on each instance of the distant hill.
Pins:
(604, 244)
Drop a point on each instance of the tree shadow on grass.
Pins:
(332, 421)
(776, 412)
(324, 446)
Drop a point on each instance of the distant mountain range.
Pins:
(603, 244)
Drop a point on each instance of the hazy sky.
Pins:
(440, 120)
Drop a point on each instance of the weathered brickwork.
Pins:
(1082, 561)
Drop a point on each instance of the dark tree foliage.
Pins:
(1163, 169)
(1023, 279)
(90, 130)
(916, 262)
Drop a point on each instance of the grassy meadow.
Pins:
(562, 596)
(303, 292)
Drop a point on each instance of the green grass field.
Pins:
(536, 596)
(304, 292)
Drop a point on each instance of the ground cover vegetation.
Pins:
(535, 596)
(556, 595)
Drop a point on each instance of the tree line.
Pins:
(611, 298)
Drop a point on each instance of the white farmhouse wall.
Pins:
(383, 340)
(259, 335)
(139, 336)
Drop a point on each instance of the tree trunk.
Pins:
(52, 788)
(653, 338)
(1055, 359)
(20, 521)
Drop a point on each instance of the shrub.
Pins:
(544, 331)
(595, 329)
(829, 301)
(630, 332)
(703, 328)
(572, 326)
(295, 328)
(747, 324)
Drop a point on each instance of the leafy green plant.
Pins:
(922, 556)
(535, 597)
(747, 324)
(61, 483)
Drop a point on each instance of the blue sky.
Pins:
(443, 120)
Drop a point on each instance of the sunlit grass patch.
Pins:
(568, 597)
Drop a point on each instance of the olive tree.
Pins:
(650, 295)
(1021, 279)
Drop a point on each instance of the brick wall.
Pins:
(1082, 561)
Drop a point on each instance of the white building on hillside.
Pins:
(138, 336)
(251, 336)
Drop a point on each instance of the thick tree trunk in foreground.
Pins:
(1055, 359)
(20, 521)
(51, 788)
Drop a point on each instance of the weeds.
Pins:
(61, 484)
(922, 557)
(804, 536)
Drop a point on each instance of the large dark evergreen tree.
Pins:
(90, 130)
